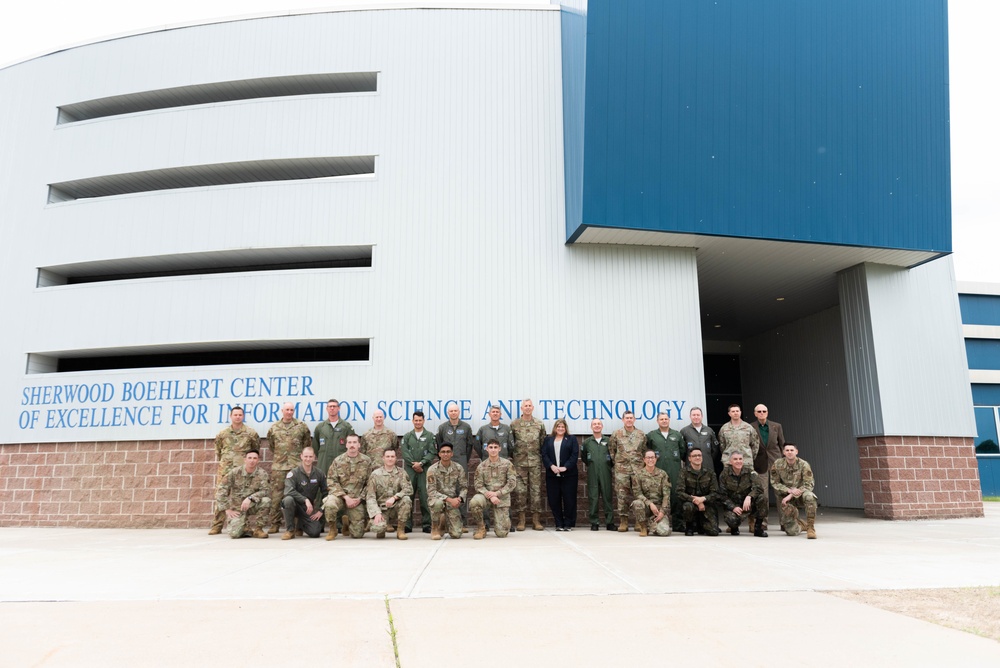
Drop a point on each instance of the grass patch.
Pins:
(991, 498)
(392, 631)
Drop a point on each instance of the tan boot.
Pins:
(802, 524)
(643, 532)
(536, 522)
(260, 533)
(751, 523)
(215, 531)
(401, 532)
(436, 529)
(623, 525)
(520, 522)
(810, 526)
(345, 524)
(275, 528)
(331, 534)
(480, 531)
(288, 535)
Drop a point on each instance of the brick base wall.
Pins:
(919, 477)
(138, 484)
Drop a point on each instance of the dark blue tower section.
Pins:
(823, 121)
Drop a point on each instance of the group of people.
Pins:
(352, 484)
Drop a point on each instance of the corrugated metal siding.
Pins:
(799, 371)
(820, 121)
(922, 369)
(859, 350)
(472, 292)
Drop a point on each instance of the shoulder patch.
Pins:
(289, 474)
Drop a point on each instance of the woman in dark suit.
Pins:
(560, 453)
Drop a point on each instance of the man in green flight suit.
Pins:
(594, 453)
(670, 449)
(418, 448)
(330, 436)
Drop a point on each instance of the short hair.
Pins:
(655, 453)
(237, 408)
(252, 450)
(492, 441)
(332, 401)
(662, 413)
(416, 413)
(349, 436)
(308, 447)
(492, 407)
(696, 451)
(628, 413)
(732, 406)
(695, 408)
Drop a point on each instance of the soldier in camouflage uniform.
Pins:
(389, 497)
(652, 498)
(242, 496)
(330, 436)
(594, 453)
(378, 439)
(348, 480)
(792, 480)
(698, 493)
(671, 451)
(737, 435)
(418, 453)
(626, 446)
(286, 438)
(528, 436)
(495, 480)
(447, 487)
(742, 495)
(457, 433)
(231, 446)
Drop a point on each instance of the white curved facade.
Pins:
(472, 294)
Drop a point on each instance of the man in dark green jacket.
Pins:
(670, 449)
(594, 453)
(418, 448)
(330, 436)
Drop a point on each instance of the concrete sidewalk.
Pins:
(170, 597)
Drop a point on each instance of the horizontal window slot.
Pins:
(222, 91)
(196, 264)
(199, 176)
(242, 352)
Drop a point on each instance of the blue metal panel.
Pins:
(985, 395)
(980, 309)
(983, 353)
(822, 121)
(989, 474)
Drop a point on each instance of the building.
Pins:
(603, 205)
(980, 304)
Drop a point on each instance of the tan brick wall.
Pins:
(919, 477)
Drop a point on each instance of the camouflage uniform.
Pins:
(598, 460)
(419, 449)
(733, 489)
(743, 438)
(784, 476)
(670, 451)
(651, 488)
(626, 452)
(699, 483)
(496, 477)
(375, 443)
(383, 484)
(238, 486)
(348, 476)
(330, 442)
(231, 447)
(443, 483)
(286, 442)
(528, 437)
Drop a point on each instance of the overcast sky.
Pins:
(35, 27)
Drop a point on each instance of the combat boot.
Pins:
(520, 521)
(751, 524)
(735, 530)
(345, 526)
(480, 530)
(214, 531)
(536, 522)
(802, 523)
(810, 526)
(275, 528)
(380, 534)
(623, 525)
(401, 533)
(643, 531)
(759, 530)
(435, 529)
(689, 529)
(288, 535)
(332, 533)
(259, 533)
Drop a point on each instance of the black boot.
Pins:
(689, 529)
(759, 530)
